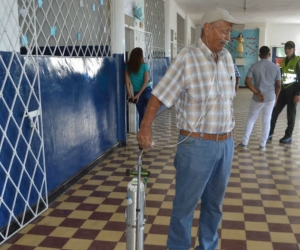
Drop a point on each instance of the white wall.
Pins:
(173, 10)
(118, 30)
(188, 25)
(198, 32)
(278, 34)
(167, 28)
(173, 15)
(269, 34)
(273, 34)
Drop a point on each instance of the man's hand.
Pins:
(237, 86)
(144, 137)
(261, 97)
(296, 99)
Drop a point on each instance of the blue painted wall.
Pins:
(83, 112)
(251, 37)
(160, 67)
(83, 102)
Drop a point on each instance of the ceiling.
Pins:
(249, 11)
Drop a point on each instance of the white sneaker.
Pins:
(242, 146)
(262, 148)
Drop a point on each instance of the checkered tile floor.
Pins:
(261, 207)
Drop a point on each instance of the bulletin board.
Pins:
(250, 54)
(251, 38)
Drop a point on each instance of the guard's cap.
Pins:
(289, 45)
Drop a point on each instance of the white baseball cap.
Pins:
(222, 14)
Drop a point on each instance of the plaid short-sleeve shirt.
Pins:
(201, 89)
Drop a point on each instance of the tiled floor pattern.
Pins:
(261, 207)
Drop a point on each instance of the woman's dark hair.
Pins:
(240, 34)
(135, 61)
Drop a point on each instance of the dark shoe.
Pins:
(285, 140)
(270, 138)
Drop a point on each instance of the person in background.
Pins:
(265, 94)
(137, 74)
(290, 92)
(200, 82)
(237, 78)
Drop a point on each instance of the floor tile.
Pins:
(261, 209)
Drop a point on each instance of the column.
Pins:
(167, 29)
(118, 29)
(187, 32)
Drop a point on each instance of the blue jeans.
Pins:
(142, 103)
(202, 172)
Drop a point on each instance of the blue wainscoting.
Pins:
(83, 113)
(160, 67)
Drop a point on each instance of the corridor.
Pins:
(261, 206)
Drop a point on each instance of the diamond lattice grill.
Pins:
(155, 24)
(23, 192)
(29, 29)
(73, 28)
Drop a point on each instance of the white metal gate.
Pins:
(23, 189)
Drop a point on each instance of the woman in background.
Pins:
(137, 75)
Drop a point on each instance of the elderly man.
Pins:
(201, 84)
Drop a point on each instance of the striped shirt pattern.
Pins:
(201, 89)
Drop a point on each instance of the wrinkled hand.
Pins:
(144, 137)
(296, 99)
